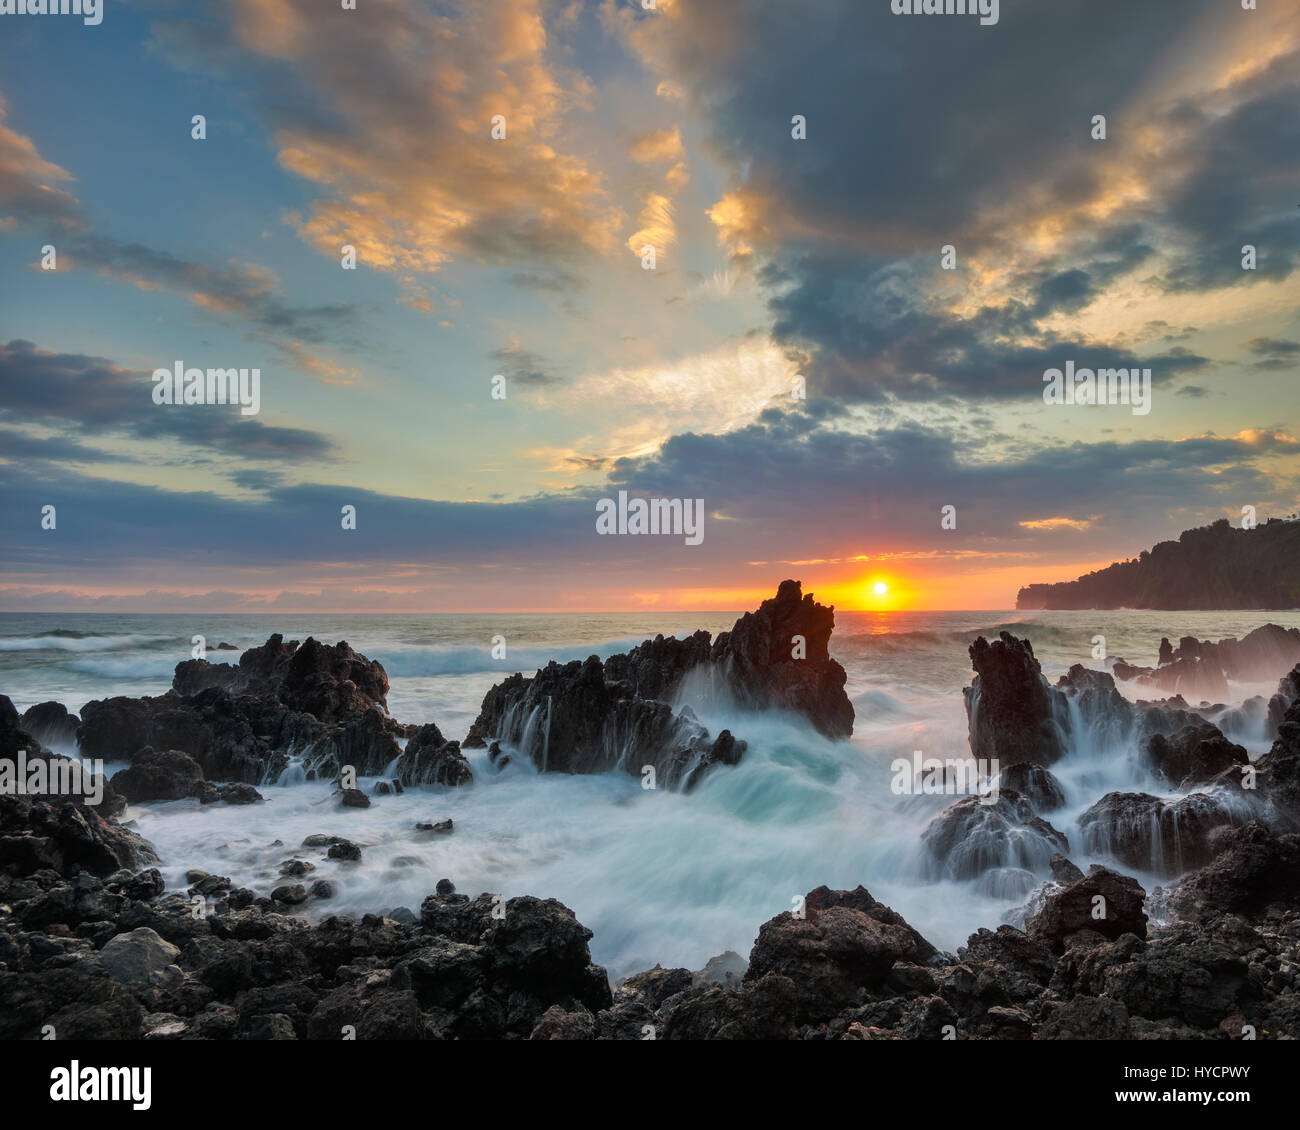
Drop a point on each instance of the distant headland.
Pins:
(1211, 567)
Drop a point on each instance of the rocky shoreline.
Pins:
(93, 945)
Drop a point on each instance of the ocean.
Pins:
(660, 877)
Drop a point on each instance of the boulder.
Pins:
(290, 894)
(159, 775)
(1076, 910)
(1037, 785)
(51, 724)
(831, 955)
(1063, 871)
(558, 1023)
(1086, 1018)
(132, 958)
(763, 1009)
(60, 835)
(1193, 755)
(1254, 868)
(1186, 977)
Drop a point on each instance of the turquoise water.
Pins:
(659, 877)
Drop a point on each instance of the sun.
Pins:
(880, 592)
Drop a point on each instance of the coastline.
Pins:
(220, 961)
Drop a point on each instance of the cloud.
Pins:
(1274, 354)
(657, 146)
(657, 227)
(388, 116)
(93, 396)
(1058, 523)
(244, 290)
(844, 229)
(29, 183)
(19, 445)
(792, 486)
(522, 366)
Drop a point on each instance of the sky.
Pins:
(802, 357)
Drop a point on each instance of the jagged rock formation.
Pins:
(1200, 669)
(1150, 834)
(1009, 705)
(97, 947)
(1278, 771)
(572, 719)
(323, 702)
(61, 832)
(1194, 755)
(970, 837)
(588, 716)
(429, 759)
(330, 682)
(1018, 718)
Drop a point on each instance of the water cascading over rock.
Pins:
(589, 716)
(324, 703)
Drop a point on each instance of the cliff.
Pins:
(1216, 566)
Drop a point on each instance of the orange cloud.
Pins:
(412, 177)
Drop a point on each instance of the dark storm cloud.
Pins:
(788, 485)
(244, 291)
(871, 337)
(16, 444)
(926, 132)
(1274, 354)
(94, 396)
(1244, 189)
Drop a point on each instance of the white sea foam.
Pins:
(658, 876)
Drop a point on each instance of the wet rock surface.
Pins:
(1201, 668)
(119, 957)
(1009, 705)
(429, 759)
(971, 837)
(1194, 755)
(92, 941)
(240, 723)
(590, 716)
(1149, 833)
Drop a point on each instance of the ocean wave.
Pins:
(127, 667)
(866, 642)
(878, 705)
(61, 640)
(415, 660)
(1034, 629)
